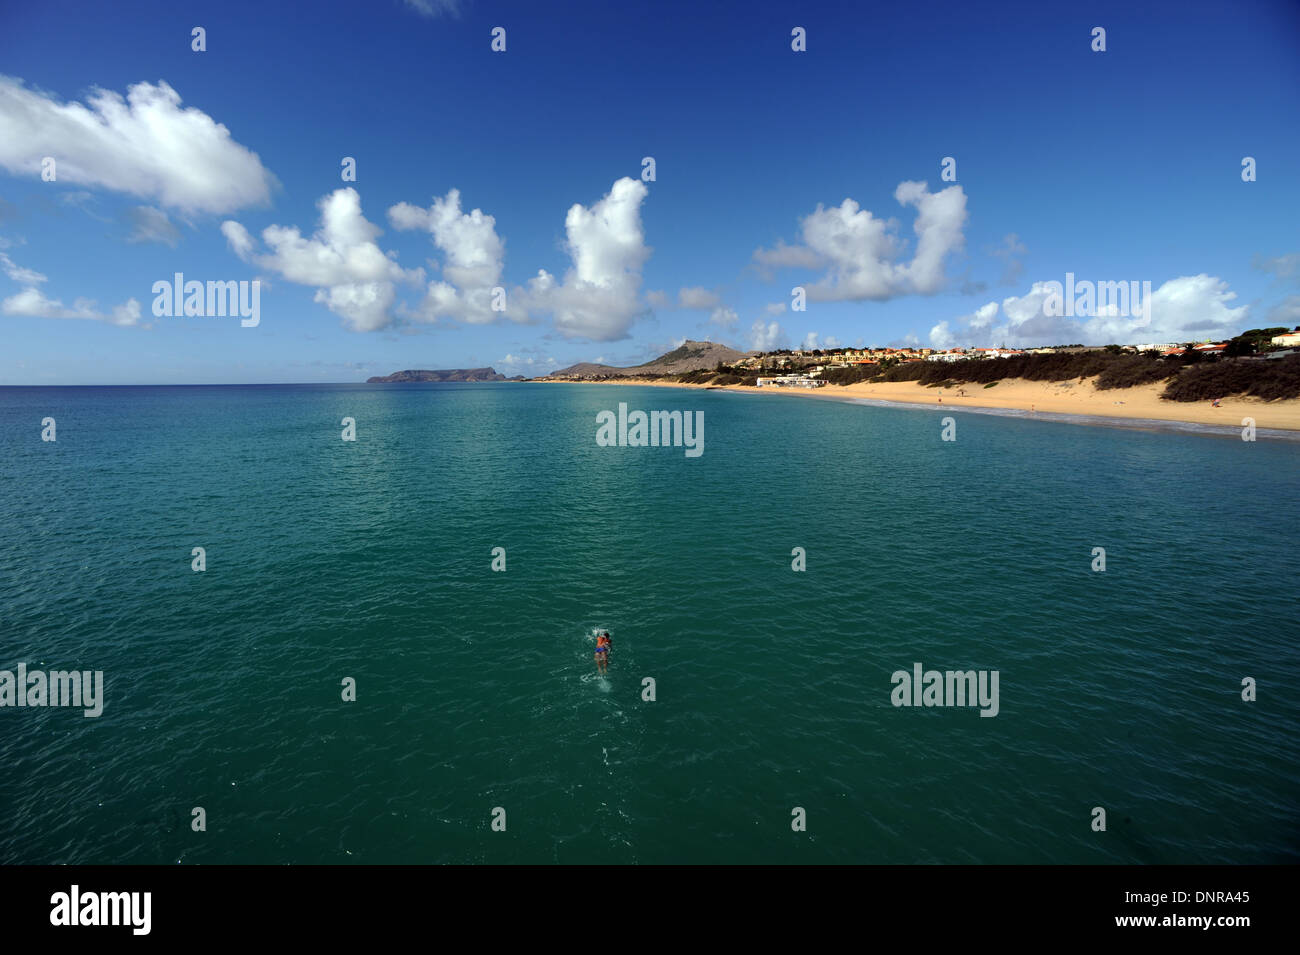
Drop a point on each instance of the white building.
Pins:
(790, 381)
(1290, 338)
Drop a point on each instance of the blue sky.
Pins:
(1123, 165)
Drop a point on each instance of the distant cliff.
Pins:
(444, 374)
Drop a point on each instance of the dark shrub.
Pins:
(1269, 380)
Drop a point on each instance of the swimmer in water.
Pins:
(602, 653)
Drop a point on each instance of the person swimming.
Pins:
(602, 651)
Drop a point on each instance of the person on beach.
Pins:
(602, 653)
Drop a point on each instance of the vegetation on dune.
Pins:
(722, 375)
(1128, 371)
(980, 371)
(850, 375)
(1270, 380)
(1193, 376)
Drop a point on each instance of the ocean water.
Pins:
(371, 560)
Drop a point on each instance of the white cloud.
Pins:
(941, 336)
(598, 297)
(724, 316)
(30, 302)
(766, 337)
(858, 250)
(19, 274)
(241, 243)
(144, 145)
(1188, 308)
(984, 315)
(475, 259)
(352, 275)
(697, 297)
(657, 299)
(775, 308)
(152, 225)
(939, 220)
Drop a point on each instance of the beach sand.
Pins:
(1079, 396)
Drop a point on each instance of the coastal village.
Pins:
(802, 368)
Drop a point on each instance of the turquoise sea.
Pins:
(476, 689)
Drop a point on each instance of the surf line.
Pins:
(666, 429)
(57, 688)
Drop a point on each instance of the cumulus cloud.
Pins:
(598, 297)
(766, 337)
(858, 251)
(151, 225)
(1187, 308)
(775, 308)
(31, 303)
(143, 145)
(475, 259)
(352, 275)
(657, 299)
(975, 329)
(984, 315)
(239, 240)
(19, 274)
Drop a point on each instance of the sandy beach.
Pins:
(1079, 396)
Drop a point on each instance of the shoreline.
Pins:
(1047, 400)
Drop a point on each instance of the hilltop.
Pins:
(689, 356)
